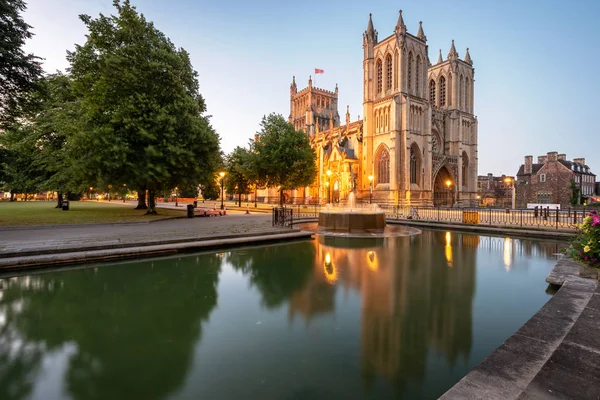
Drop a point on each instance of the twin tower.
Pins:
(417, 141)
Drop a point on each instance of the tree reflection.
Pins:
(134, 326)
(277, 271)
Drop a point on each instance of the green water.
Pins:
(399, 318)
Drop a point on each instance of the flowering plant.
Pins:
(585, 247)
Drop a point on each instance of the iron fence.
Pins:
(283, 217)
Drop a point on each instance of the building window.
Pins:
(544, 198)
(467, 94)
(383, 166)
(388, 67)
(418, 76)
(379, 77)
(461, 92)
(465, 170)
(396, 62)
(415, 164)
(409, 77)
(442, 92)
(432, 92)
(435, 143)
(542, 177)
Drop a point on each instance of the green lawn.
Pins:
(81, 212)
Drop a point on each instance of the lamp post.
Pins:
(448, 184)
(90, 195)
(370, 189)
(511, 182)
(478, 200)
(109, 187)
(124, 191)
(328, 184)
(176, 199)
(222, 175)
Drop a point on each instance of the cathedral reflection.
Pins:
(411, 301)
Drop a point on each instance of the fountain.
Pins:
(352, 219)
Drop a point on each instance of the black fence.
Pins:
(547, 218)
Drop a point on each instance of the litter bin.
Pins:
(65, 205)
(195, 203)
(190, 211)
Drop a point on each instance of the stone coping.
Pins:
(140, 250)
(556, 354)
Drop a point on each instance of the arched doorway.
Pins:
(443, 194)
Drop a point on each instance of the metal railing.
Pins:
(541, 218)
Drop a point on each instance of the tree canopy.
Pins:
(142, 119)
(18, 71)
(284, 156)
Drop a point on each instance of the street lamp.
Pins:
(124, 191)
(370, 189)
(222, 175)
(90, 196)
(508, 181)
(448, 184)
(176, 200)
(478, 200)
(328, 192)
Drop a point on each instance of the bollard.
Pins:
(247, 210)
(224, 210)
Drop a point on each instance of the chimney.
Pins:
(490, 175)
(541, 160)
(528, 162)
(579, 161)
(552, 156)
(562, 157)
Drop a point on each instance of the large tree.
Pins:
(238, 165)
(284, 156)
(18, 71)
(142, 119)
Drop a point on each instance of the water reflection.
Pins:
(131, 329)
(387, 317)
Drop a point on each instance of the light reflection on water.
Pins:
(399, 317)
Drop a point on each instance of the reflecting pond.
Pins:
(400, 318)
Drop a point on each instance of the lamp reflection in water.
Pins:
(329, 269)
(372, 261)
(507, 253)
(448, 248)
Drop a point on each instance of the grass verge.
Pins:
(20, 213)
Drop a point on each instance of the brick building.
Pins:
(549, 180)
(494, 191)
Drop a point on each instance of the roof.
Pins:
(569, 164)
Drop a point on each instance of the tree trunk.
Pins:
(60, 200)
(141, 200)
(255, 195)
(239, 199)
(12, 196)
(151, 203)
(281, 197)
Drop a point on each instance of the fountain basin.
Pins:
(345, 221)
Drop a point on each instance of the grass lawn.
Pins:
(81, 212)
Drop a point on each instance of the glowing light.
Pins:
(335, 185)
(372, 261)
(370, 177)
(222, 174)
(507, 253)
(448, 249)
(328, 173)
(448, 183)
(330, 270)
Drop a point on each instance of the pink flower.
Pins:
(596, 220)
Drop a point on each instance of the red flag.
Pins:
(319, 71)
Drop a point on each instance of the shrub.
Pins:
(585, 247)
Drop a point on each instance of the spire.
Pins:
(294, 80)
(468, 57)
(371, 33)
(420, 33)
(310, 81)
(440, 59)
(400, 26)
(347, 115)
(453, 53)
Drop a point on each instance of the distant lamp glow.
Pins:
(372, 261)
(448, 249)
(507, 253)
(328, 173)
(329, 269)
(448, 183)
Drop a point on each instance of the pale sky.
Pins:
(535, 61)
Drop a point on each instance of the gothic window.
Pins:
(418, 76)
(442, 92)
(432, 92)
(465, 170)
(414, 164)
(449, 91)
(409, 77)
(435, 144)
(388, 68)
(396, 62)
(467, 94)
(379, 76)
(383, 166)
(461, 92)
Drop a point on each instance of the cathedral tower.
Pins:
(313, 109)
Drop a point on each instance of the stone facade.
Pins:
(419, 130)
(549, 180)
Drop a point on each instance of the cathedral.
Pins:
(417, 142)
